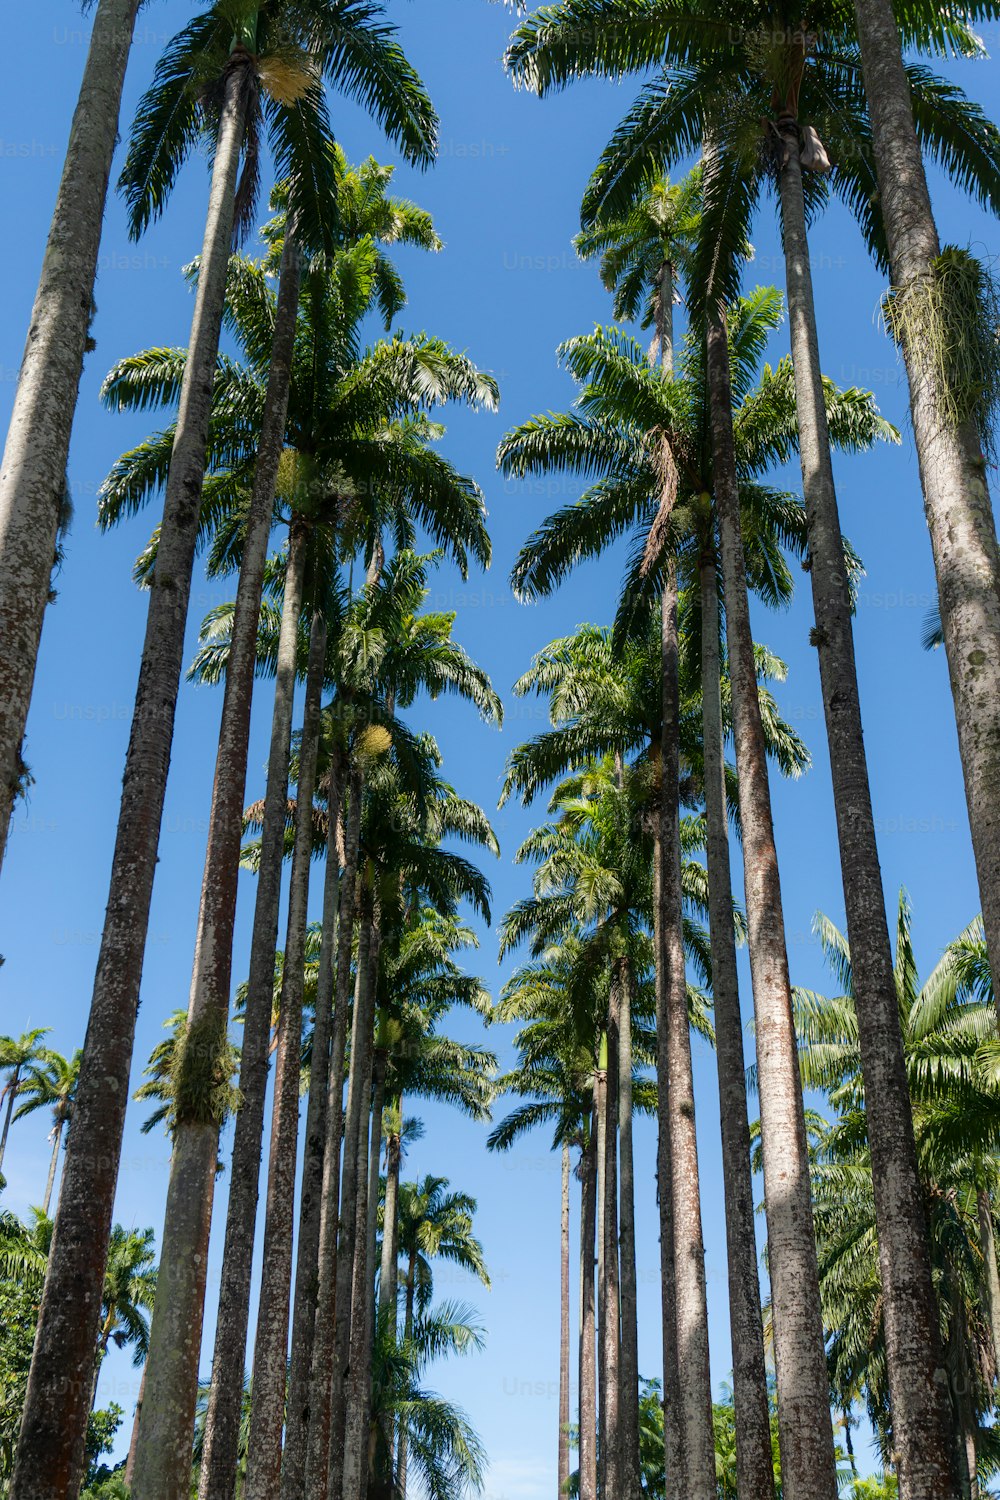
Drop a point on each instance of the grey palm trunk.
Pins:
(914, 1358)
(13, 1085)
(562, 1452)
(952, 466)
(754, 1460)
(587, 1355)
(270, 1358)
(33, 471)
(293, 1459)
(217, 1478)
(676, 1082)
(609, 1312)
(600, 1290)
(804, 1423)
(321, 1374)
(388, 1269)
(53, 1425)
(401, 1461)
(991, 1273)
(353, 1187)
(57, 1131)
(629, 1468)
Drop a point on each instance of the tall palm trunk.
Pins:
(270, 1361)
(610, 1292)
(664, 756)
(588, 1374)
(13, 1084)
(358, 1425)
(913, 1354)
(562, 1459)
(601, 1169)
(805, 1429)
(991, 1275)
(676, 1083)
(57, 1130)
(388, 1270)
(318, 1417)
(33, 472)
(133, 1441)
(293, 1458)
(53, 1424)
(352, 1186)
(754, 1460)
(407, 1335)
(217, 1478)
(952, 467)
(630, 1480)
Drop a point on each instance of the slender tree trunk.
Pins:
(53, 1164)
(407, 1335)
(672, 1434)
(293, 1459)
(611, 1285)
(630, 1480)
(806, 1433)
(12, 1090)
(358, 1426)
(33, 472)
(991, 1276)
(562, 1460)
(676, 1080)
(217, 1478)
(754, 1460)
(388, 1270)
(913, 1353)
(270, 1361)
(588, 1373)
(952, 467)
(53, 1426)
(321, 1379)
(351, 1190)
(601, 1167)
(130, 1460)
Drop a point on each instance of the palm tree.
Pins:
(705, 64)
(346, 42)
(952, 469)
(33, 472)
(52, 1084)
(17, 1054)
(129, 1292)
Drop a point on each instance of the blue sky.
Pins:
(507, 288)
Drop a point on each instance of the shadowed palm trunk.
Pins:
(388, 1270)
(352, 1189)
(358, 1427)
(270, 1361)
(407, 1335)
(562, 1458)
(913, 1353)
(991, 1275)
(130, 1460)
(754, 1459)
(217, 1478)
(805, 1429)
(628, 1395)
(293, 1458)
(318, 1416)
(676, 1083)
(33, 472)
(588, 1372)
(13, 1084)
(57, 1131)
(952, 467)
(53, 1425)
(600, 1168)
(610, 1291)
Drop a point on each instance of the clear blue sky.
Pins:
(507, 288)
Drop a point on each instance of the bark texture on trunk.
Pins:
(676, 1081)
(407, 1333)
(321, 1377)
(754, 1461)
(53, 1163)
(601, 1168)
(952, 467)
(610, 1299)
(917, 1378)
(804, 1424)
(130, 1460)
(217, 1479)
(388, 1271)
(53, 1426)
(293, 1459)
(353, 1183)
(270, 1359)
(562, 1455)
(991, 1275)
(630, 1480)
(588, 1371)
(33, 471)
(672, 1434)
